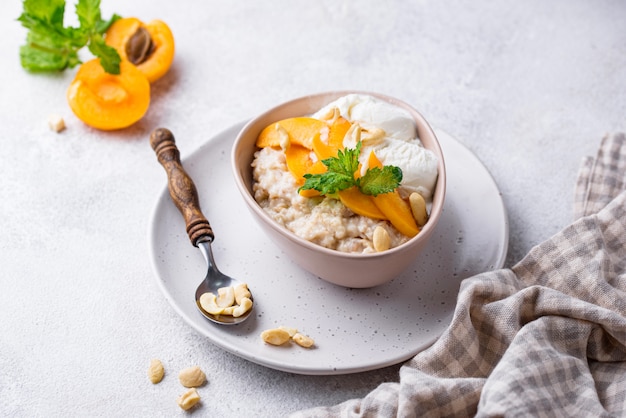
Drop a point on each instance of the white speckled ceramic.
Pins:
(354, 329)
(344, 269)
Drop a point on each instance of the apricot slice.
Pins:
(398, 211)
(338, 131)
(301, 131)
(360, 203)
(299, 161)
(373, 161)
(106, 101)
(334, 143)
(309, 193)
(149, 46)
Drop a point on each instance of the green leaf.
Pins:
(88, 12)
(103, 25)
(50, 46)
(51, 11)
(347, 161)
(34, 59)
(109, 58)
(377, 181)
(327, 183)
(47, 48)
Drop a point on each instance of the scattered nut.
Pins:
(303, 340)
(56, 123)
(188, 399)
(280, 335)
(418, 208)
(155, 371)
(381, 239)
(275, 336)
(192, 377)
(290, 331)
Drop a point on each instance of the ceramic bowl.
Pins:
(343, 269)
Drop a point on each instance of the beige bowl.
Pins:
(344, 269)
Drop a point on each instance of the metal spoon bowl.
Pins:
(185, 196)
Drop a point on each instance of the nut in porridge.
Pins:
(418, 208)
(381, 239)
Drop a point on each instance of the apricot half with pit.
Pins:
(148, 46)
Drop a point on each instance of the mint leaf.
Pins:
(109, 58)
(377, 181)
(339, 174)
(327, 183)
(90, 18)
(50, 46)
(34, 58)
(347, 161)
(88, 12)
(103, 25)
(51, 11)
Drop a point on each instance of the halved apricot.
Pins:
(149, 46)
(301, 131)
(106, 101)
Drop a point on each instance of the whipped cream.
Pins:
(399, 144)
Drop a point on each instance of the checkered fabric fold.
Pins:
(544, 338)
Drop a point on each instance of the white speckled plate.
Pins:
(354, 330)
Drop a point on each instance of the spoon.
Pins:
(185, 196)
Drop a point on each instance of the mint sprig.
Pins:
(51, 46)
(340, 175)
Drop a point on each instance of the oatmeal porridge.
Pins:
(380, 129)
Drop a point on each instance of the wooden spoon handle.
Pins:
(181, 187)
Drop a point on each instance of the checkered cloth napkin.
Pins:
(544, 338)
